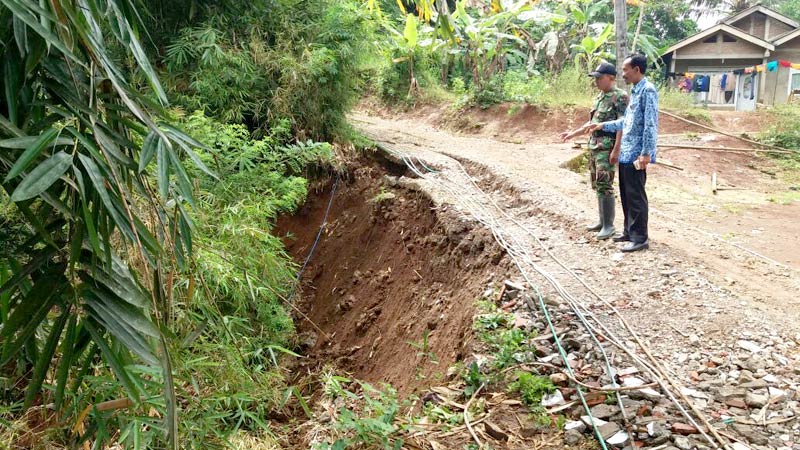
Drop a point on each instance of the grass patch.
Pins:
(698, 115)
(785, 198)
(674, 99)
(784, 131)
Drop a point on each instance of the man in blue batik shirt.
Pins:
(638, 149)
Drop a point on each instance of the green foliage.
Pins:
(785, 129)
(260, 60)
(697, 115)
(571, 87)
(531, 388)
(474, 379)
(95, 173)
(673, 99)
(369, 422)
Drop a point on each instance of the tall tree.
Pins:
(621, 33)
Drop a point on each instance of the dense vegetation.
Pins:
(146, 151)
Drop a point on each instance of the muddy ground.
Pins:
(401, 259)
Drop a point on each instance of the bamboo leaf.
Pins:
(125, 334)
(43, 302)
(68, 346)
(42, 177)
(23, 14)
(126, 312)
(171, 418)
(31, 153)
(45, 358)
(163, 169)
(148, 150)
(114, 361)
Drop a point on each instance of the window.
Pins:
(710, 40)
(794, 80)
(728, 38)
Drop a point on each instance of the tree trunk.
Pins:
(621, 32)
(638, 27)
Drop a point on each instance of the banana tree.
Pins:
(97, 177)
(484, 41)
(591, 49)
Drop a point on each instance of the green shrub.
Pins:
(785, 129)
(249, 63)
(532, 388)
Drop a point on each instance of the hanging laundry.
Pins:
(702, 83)
(753, 86)
(715, 93)
(730, 83)
(723, 80)
(795, 66)
(749, 70)
(772, 66)
(760, 68)
(785, 63)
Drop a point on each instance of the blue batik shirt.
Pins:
(639, 125)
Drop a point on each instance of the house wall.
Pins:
(714, 65)
(778, 82)
(777, 87)
(719, 49)
(776, 28)
(756, 24)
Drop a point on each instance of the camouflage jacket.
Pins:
(608, 106)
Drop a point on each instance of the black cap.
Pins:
(604, 69)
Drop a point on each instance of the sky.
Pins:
(708, 20)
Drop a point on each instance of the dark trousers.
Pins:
(634, 201)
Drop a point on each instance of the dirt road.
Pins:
(695, 295)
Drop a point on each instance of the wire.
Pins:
(324, 223)
(513, 250)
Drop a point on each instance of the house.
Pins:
(758, 52)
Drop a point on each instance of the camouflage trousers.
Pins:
(601, 172)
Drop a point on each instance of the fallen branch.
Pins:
(466, 417)
(726, 149)
(669, 166)
(724, 133)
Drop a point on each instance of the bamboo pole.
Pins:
(728, 149)
(716, 130)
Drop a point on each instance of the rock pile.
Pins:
(748, 389)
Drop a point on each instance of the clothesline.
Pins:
(771, 66)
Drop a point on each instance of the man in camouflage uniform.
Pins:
(609, 105)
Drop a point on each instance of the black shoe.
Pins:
(635, 247)
(622, 238)
(607, 210)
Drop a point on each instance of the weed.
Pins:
(369, 422)
(784, 131)
(697, 115)
(785, 198)
(531, 387)
(383, 197)
(673, 99)
(474, 379)
(423, 348)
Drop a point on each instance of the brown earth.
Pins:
(383, 275)
(748, 209)
(531, 123)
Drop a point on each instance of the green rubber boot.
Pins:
(599, 224)
(607, 217)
